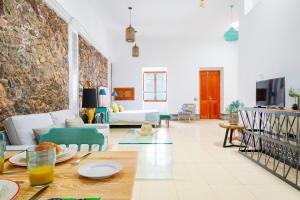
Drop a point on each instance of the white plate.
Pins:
(100, 170)
(8, 189)
(20, 159)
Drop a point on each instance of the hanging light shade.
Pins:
(130, 32)
(232, 34)
(202, 4)
(135, 51)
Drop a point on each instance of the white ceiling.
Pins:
(155, 18)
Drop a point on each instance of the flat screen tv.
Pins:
(270, 93)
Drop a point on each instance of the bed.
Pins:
(134, 117)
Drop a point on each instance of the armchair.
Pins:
(187, 111)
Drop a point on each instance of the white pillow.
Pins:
(74, 123)
(59, 117)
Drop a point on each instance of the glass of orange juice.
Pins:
(40, 165)
(2, 150)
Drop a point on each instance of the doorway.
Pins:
(210, 89)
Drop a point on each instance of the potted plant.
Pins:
(233, 109)
(296, 96)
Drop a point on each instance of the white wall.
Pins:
(249, 5)
(73, 70)
(91, 27)
(269, 46)
(183, 58)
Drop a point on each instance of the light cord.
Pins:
(231, 13)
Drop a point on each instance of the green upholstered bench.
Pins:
(165, 117)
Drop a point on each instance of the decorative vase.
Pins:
(146, 129)
(234, 118)
(295, 106)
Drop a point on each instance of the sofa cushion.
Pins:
(59, 117)
(121, 108)
(19, 128)
(38, 131)
(115, 108)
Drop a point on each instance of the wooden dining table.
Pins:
(69, 184)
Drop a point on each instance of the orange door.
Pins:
(204, 102)
(209, 94)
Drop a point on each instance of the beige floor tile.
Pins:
(277, 192)
(197, 167)
(257, 178)
(232, 192)
(158, 190)
(185, 174)
(195, 192)
(137, 191)
(213, 174)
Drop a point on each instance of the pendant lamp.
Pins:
(232, 34)
(135, 51)
(130, 32)
(202, 4)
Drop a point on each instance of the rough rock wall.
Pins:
(33, 59)
(93, 65)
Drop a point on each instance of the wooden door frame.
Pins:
(221, 70)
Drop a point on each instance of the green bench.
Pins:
(165, 117)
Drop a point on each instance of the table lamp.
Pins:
(102, 93)
(113, 94)
(89, 101)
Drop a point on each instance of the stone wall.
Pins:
(33, 59)
(93, 65)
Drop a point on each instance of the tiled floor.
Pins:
(196, 167)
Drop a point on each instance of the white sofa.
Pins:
(19, 128)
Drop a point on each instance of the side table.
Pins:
(230, 130)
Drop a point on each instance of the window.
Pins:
(155, 86)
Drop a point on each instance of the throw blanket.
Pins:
(139, 116)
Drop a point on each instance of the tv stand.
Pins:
(270, 107)
(274, 107)
(272, 140)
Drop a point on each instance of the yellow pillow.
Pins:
(121, 108)
(114, 108)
